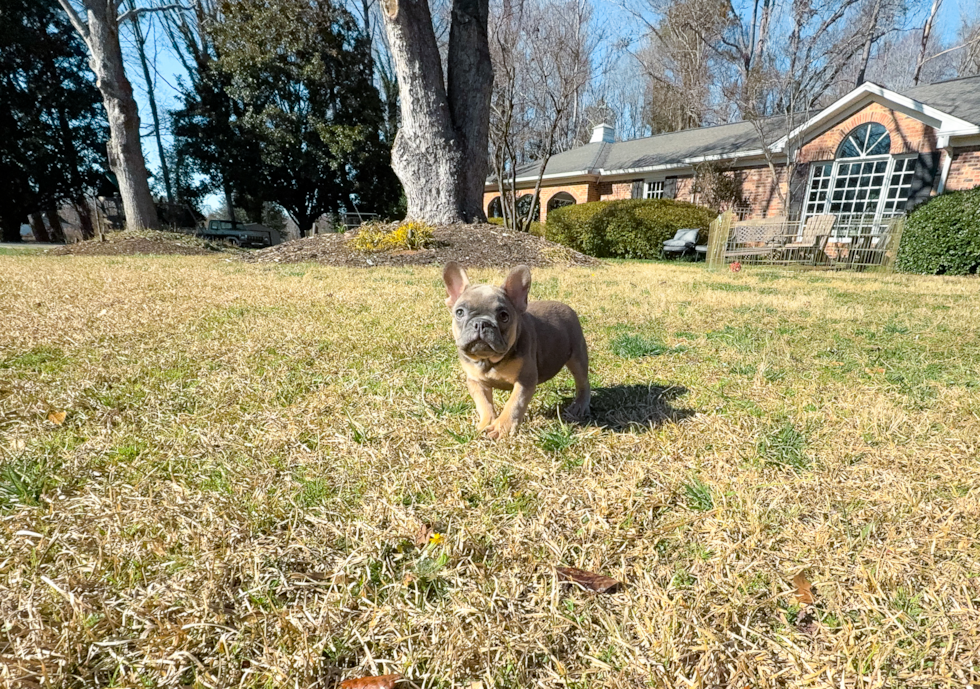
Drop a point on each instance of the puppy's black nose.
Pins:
(483, 326)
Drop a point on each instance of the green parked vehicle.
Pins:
(240, 234)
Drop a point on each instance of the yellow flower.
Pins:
(435, 539)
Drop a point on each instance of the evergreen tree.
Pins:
(53, 131)
(283, 109)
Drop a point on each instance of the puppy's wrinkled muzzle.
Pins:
(481, 339)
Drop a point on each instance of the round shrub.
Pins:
(631, 228)
(942, 236)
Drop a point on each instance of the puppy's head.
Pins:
(486, 319)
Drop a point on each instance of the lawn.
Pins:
(268, 476)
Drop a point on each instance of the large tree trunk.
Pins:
(84, 217)
(38, 228)
(56, 231)
(440, 152)
(101, 34)
(470, 83)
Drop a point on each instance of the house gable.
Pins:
(945, 124)
(908, 134)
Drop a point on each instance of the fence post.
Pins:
(895, 229)
(718, 233)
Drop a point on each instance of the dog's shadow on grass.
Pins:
(635, 408)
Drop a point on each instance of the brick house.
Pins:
(873, 153)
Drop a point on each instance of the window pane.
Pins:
(865, 140)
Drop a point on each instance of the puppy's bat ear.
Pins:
(456, 281)
(517, 285)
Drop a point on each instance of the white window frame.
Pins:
(654, 189)
(883, 199)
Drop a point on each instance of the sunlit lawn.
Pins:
(268, 476)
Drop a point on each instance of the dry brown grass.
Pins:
(250, 453)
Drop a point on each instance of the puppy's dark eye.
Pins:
(503, 316)
(459, 313)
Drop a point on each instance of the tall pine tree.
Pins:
(282, 108)
(53, 132)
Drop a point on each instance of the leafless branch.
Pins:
(137, 11)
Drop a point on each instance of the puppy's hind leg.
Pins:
(483, 396)
(578, 365)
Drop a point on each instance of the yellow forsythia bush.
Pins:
(412, 235)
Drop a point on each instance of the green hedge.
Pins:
(632, 228)
(942, 236)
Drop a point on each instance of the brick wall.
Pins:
(964, 172)
(685, 189)
(760, 193)
(613, 191)
(908, 135)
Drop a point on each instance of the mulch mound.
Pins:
(478, 245)
(133, 244)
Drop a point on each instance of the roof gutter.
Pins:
(684, 163)
(585, 175)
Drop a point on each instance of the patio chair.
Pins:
(809, 248)
(684, 240)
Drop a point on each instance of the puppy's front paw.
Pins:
(577, 411)
(500, 428)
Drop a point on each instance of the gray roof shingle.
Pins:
(958, 97)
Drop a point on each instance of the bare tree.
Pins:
(926, 31)
(100, 31)
(543, 52)
(969, 39)
(440, 152)
(141, 41)
(890, 62)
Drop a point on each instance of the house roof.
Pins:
(687, 146)
(958, 98)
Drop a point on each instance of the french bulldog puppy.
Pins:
(505, 343)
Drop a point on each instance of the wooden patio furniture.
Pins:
(756, 238)
(809, 248)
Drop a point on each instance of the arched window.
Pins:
(560, 200)
(495, 209)
(865, 141)
(864, 184)
(524, 205)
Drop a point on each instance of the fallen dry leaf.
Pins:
(594, 582)
(804, 590)
(379, 682)
(422, 536)
(57, 417)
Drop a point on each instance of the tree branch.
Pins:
(80, 26)
(975, 41)
(137, 11)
